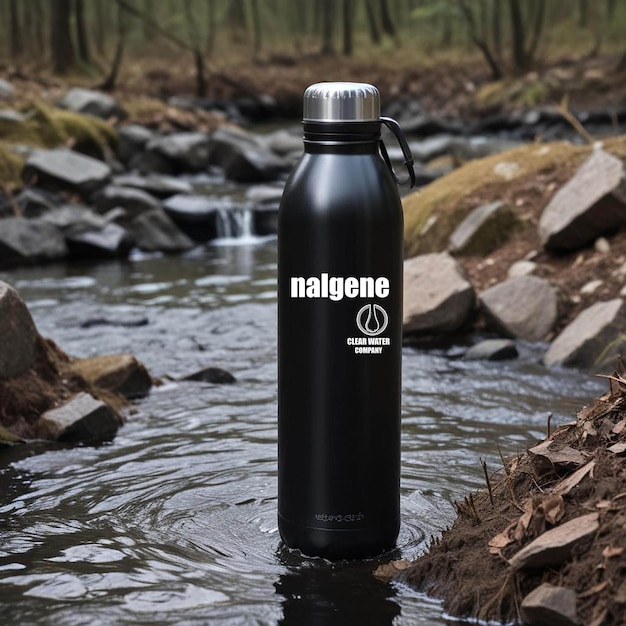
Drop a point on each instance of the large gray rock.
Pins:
(282, 142)
(74, 218)
(109, 241)
(18, 335)
(65, 169)
(83, 418)
(160, 186)
(244, 157)
(132, 139)
(525, 307)
(548, 604)
(188, 151)
(91, 102)
(592, 339)
(587, 206)
(154, 231)
(24, 241)
(133, 201)
(485, 228)
(35, 201)
(197, 215)
(438, 298)
(6, 90)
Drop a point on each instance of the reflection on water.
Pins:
(174, 522)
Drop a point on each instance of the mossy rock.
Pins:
(432, 214)
(11, 165)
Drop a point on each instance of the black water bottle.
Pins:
(340, 330)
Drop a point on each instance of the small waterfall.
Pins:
(235, 223)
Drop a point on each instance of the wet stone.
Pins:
(24, 241)
(492, 350)
(215, 375)
(549, 604)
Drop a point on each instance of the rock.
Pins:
(492, 350)
(197, 215)
(591, 286)
(129, 320)
(158, 186)
(214, 375)
(265, 194)
(18, 334)
(147, 163)
(524, 307)
(188, 151)
(590, 204)
(602, 245)
(132, 139)
(24, 241)
(425, 125)
(521, 268)
(133, 201)
(244, 157)
(118, 373)
(9, 115)
(548, 604)
(109, 241)
(83, 418)
(486, 228)
(555, 546)
(154, 231)
(265, 219)
(432, 148)
(74, 218)
(437, 297)
(91, 102)
(282, 142)
(64, 169)
(35, 201)
(6, 90)
(594, 337)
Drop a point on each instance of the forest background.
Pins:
(438, 51)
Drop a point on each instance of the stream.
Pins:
(174, 521)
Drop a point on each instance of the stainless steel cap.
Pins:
(341, 102)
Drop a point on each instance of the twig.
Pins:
(549, 424)
(578, 127)
(484, 464)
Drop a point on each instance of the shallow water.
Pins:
(174, 522)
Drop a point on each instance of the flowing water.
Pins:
(174, 521)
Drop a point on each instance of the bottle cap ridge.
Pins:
(341, 102)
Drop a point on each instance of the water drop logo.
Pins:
(372, 320)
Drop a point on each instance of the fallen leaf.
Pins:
(567, 484)
(609, 551)
(618, 448)
(388, 571)
(523, 522)
(593, 590)
(619, 427)
(564, 456)
(603, 504)
(553, 508)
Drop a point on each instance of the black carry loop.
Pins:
(394, 127)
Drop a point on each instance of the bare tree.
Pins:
(328, 27)
(81, 32)
(526, 32)
(386, 21)
(61, 46)
(210, 40)
(15, 35)
(256, 26)
(194, 36)
(347, 27)
(480, 39)
(110, 81)
(372, 23)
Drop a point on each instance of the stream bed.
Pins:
(174, 521)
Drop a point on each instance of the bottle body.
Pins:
(340, 336)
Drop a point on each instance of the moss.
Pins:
(432, 213)
(10, 166)
(533, 94)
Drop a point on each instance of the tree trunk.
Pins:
(210, 40)
(81, 33)
(496, 28)
(194, 36)
(111, 80)
(61, 46)
(236, 18)
(386, 22)
(256, 26)
(38, 21)
(100, 26)
(328, 26)
(537, 26)
(480, 41)
(583, 14)
(15, 38)
(518, 36)
(146, 32)
(372, 22)
(347, 27)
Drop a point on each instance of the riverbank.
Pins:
(547, 530)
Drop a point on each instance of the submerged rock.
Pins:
(438, 298)
(18, 334)
(525, 307)
(492, 350)
(154, 231)
(83, 418)
(590, 204)
(594, 337)
(214, 375)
